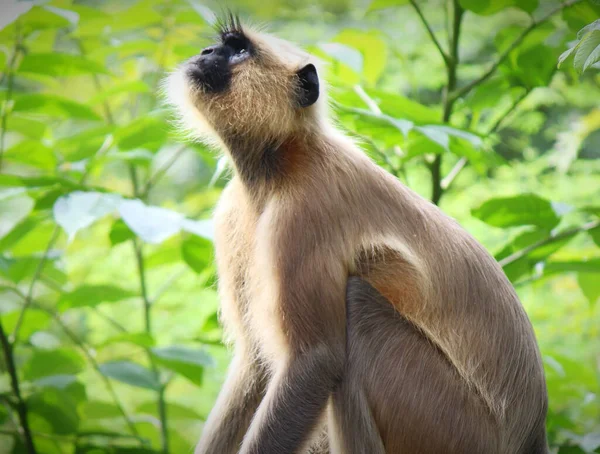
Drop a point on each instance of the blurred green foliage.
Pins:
(110, 339)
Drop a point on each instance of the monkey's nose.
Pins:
(208, 50)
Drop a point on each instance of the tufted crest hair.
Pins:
(260, 101)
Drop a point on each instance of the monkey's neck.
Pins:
(266, 167)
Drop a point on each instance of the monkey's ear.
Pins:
(309, 85)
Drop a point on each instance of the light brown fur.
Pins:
(286, 245)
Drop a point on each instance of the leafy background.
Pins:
(110, 340)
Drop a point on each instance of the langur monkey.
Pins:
(365, 321)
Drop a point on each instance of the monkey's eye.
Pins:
(237, 44)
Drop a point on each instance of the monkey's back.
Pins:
(453, 293)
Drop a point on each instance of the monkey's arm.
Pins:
(311, 291)
(238, 400)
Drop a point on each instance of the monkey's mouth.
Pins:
(211, 76)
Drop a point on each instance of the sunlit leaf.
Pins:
(526, 209)
(184, 360)
(131, 373)
(373, 48)
(120, 233)
(144, 132)
(90, 295)
(12, 10)
(14, 208)
(45, 363)
(54, 106)
(176, 412)
(79, 210)
(589, 283)
(32, 153)
(57, 408)
(588, 51)
(152, 224)
(381, 4)
(347, 55)
(197, 253)
(144, 340)
(59, 65)
(487, 7)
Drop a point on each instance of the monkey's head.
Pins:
(248, 85)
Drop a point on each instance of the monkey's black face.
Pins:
(211, 70)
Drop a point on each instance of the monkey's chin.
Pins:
(180, 93)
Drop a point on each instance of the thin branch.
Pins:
(162, 170)
(551, 239)
(449, 179)
(437, 191)
(34, 279)
(447, 58)
(504, 55)
(87, 353)
(162, 406)
(370, 102)
(462, 162)
(9, 89)
(21, 405)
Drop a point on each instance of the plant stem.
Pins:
(87, 353)
(9, 90)
(21, 405)
(462, 162)
(447, 58)
(504, 55)
(34, 279)
(162, 407)
(437, 191)
(551, 239)
(162, 170)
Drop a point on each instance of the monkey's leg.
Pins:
(238, 400)
(402, 392)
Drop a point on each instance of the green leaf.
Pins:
(527, 209)
(54, 106)
(372, 47)
(381, 4)
(45, 363)
(26, 126)
(589, 283)
(85, 143)
(131, 373)
(595, 234)
(15, 206)
(59, 65)
(79, 210)
(14, 181)
(176, 412)
(347, 55)
(32, 153)
(580, 266)
(144, 132)
(13, 11)
(56, 408)
(588, 51)
(125, 88)
(152, 224)
(119, 233)
(580, 15)
(487, 7)
(185, 361)
(19, 268)
(197, 253)
(143, 340)
(95, 409)
(89, 295)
